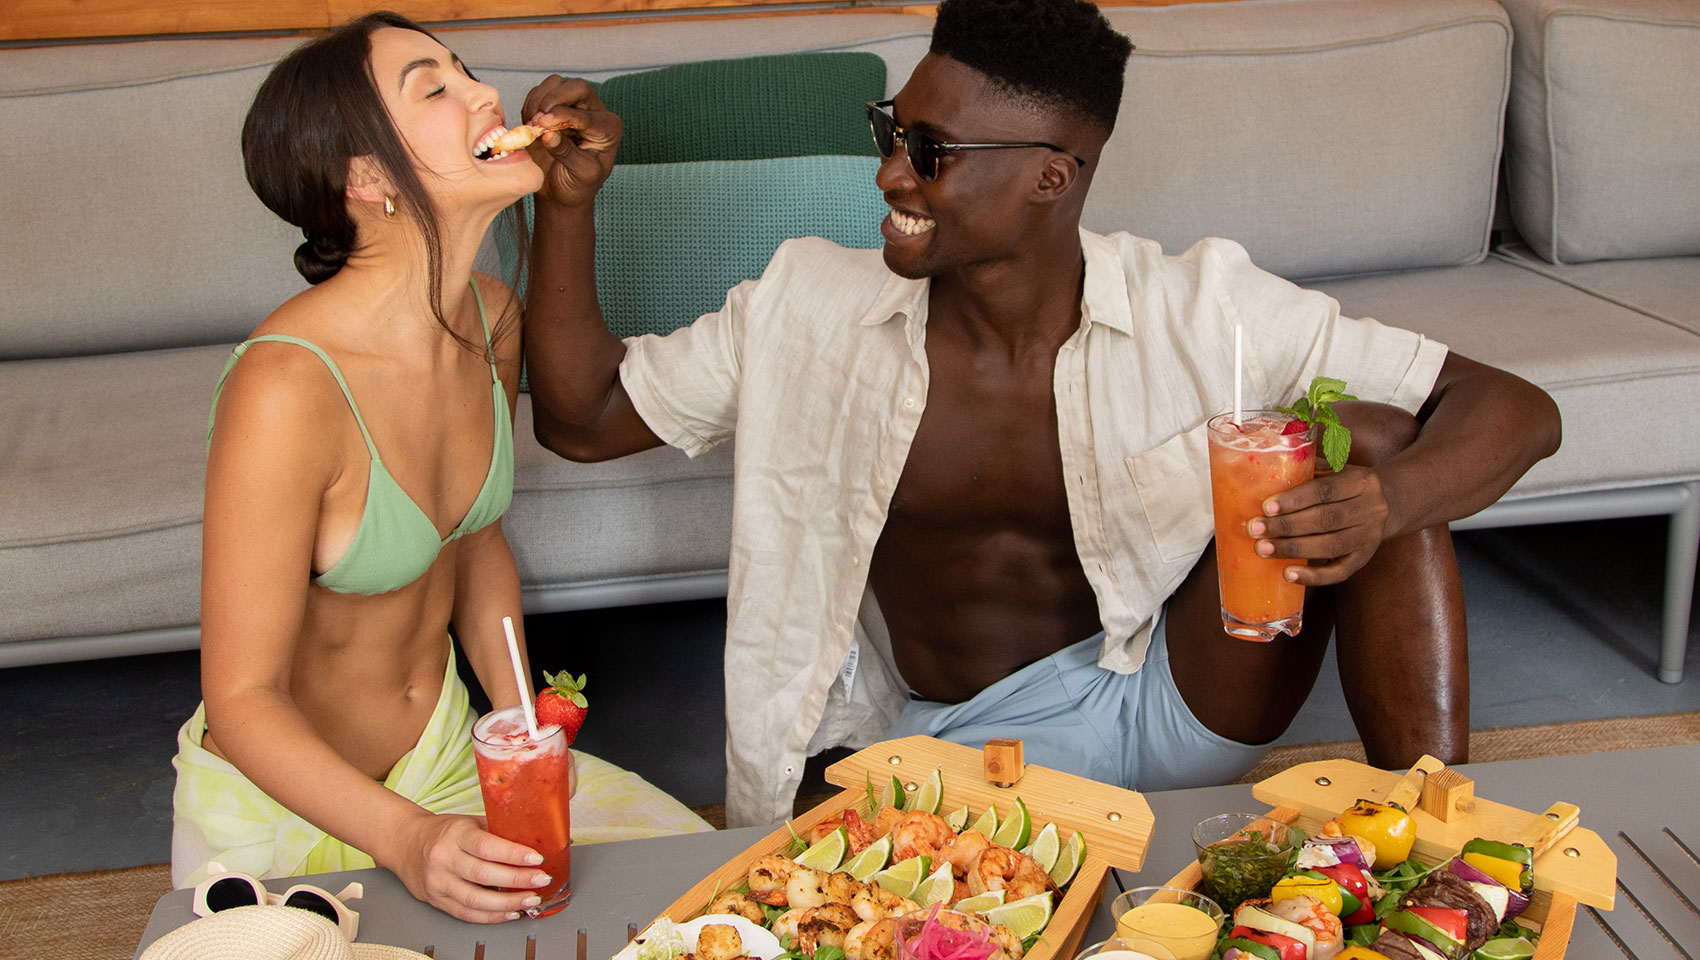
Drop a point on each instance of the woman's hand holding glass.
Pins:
(453, 863)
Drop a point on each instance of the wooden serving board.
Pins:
(1117, 823)
(1571, 864)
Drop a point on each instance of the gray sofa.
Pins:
(1355, 145)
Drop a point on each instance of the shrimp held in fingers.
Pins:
(516, 138)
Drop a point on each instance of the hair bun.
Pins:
(320, 257)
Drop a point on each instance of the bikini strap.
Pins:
(489, 348)
(348, 395)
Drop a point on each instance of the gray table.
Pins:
(1642, 801)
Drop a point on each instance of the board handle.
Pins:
(1409, 789)
(1546, 830)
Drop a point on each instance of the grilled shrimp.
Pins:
(1003, 938)
(1310, 912)
(861, 832)
(872, 940)
(841, 888)
(920, 834)
(737, 905)
(1017, 874)
(518, 138)
(806, 888)
(964, 849)
(886, 821)
(767, 878)
(827, 925)
(874, 903)
(719, 941)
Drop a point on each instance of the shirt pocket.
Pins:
(1173, 482)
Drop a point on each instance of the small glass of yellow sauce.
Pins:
(1184, 923)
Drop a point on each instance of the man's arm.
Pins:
(580, 408)
(1481, 429)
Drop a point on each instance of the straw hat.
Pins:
(267, 933)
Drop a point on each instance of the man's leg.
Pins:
(1401, 642)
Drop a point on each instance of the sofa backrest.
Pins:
(130, 226)
(1329, 137)
(1603, 144)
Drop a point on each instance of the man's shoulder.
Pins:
(826, 280)
(820, 258)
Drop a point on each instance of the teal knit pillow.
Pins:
(787, 105)
(672, 238)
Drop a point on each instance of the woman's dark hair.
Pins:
(317, 110)
(1055, 53)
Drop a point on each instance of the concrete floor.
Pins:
(1564, 625)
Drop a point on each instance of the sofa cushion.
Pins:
(786, 105)
(105, 463)
(1665, 288)
(672, 238)
(1329, 137)
(1603, 145)
(1606, 366)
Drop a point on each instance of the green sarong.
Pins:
(220, 815)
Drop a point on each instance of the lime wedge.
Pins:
(988, 823)
(1016, 828)
(1506, 948)
(867, 863)
(1068, 859)
(826, 853)
(981, 903)
(904, 876)
(1026, 916)
(893, 796)
(937, 888)
(958, 818)
(929, 797)
(1045, 847)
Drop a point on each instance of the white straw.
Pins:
(519, 678)
(1237, 364)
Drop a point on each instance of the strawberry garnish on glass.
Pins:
(562, 703)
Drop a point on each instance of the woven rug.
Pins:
(101, 915)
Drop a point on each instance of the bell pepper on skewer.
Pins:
(1309, 883)
(1443, 927)
(1386, 826)
(1286, 948)
(1359, 904)
(1510, 863)
(1360, 953)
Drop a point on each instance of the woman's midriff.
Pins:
(369, 691)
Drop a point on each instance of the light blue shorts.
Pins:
(1130, 729)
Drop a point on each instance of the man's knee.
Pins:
(1380, 431)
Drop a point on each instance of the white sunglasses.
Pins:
(226, 890)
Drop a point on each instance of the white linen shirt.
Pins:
(820, 370)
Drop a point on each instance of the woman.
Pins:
(360, 458)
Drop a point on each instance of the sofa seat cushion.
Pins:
(1329, 137)
(1665, 288)
(102, 475)
(103, 463)
(1616, 374)
(1603, 139)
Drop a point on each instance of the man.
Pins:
(970, 495)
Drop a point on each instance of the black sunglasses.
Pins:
(925, 150)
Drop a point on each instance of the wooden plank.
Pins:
(93, 19)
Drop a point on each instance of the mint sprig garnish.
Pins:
(1314, 409)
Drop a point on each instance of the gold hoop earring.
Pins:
(389, 208)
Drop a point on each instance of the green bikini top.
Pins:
(396, 541)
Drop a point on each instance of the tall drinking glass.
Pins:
(1250, 462)
(524, 782)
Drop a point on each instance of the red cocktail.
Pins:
(1250, 462)
(525, 795)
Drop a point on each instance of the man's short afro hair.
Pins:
(1059, 53)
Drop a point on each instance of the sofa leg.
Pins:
(1680, 557)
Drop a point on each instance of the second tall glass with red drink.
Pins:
(526, 791)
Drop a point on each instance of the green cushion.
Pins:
(789, 105)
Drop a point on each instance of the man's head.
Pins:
(1042, 79)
